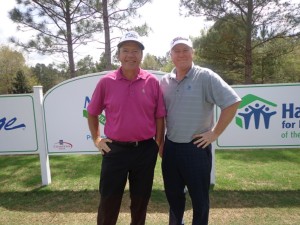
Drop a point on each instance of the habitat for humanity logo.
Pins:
(62, 145)
(101, 118)
(255, 112)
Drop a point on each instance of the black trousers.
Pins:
(135, 163)
(183, 164)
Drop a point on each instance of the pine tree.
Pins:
(20, 84)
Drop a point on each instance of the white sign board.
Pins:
(65, 115)
(18, 132)
(268, 117)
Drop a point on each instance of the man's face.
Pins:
(182, 56)
(130, 55)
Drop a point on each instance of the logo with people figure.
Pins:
(255, 111)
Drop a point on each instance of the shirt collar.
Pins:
(189, 73)
(141, 75)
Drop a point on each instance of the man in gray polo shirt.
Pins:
(190, 94)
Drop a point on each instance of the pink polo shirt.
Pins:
(131, 107)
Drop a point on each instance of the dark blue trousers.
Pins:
(126, 162)
(183, 164)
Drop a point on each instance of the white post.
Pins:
(213, 169)
(44, 157)
(213, 152)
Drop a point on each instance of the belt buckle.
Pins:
(136, 143)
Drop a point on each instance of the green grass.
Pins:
(252, 187)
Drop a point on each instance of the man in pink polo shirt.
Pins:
(134, 129)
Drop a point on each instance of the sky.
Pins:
(161, 15)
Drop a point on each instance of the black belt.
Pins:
(130, 143)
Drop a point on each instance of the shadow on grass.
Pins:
(87, 201)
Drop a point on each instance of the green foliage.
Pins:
(60, 28)
(122, 16)
(222, 50)
(11, 62)
(102, 65)
(151, 62)
(85, 66)
(256, 21)
(117, 16)
(48, 76)
(55, 24)
(168, 66)
(21, 84)
(290, 70)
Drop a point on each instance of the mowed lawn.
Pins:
(253, 187)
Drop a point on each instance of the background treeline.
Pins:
(249, 41)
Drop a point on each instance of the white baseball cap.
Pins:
(131, 36)
(181, 40)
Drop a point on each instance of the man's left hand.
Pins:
(204, 139)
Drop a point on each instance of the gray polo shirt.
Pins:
(190, 102)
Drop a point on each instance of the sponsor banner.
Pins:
(268, 117)
(18, 132)
(65, 115)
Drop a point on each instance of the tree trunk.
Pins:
(248, 44)
(69, 41)
(107, 52)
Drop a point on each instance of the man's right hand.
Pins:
(100, 143)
